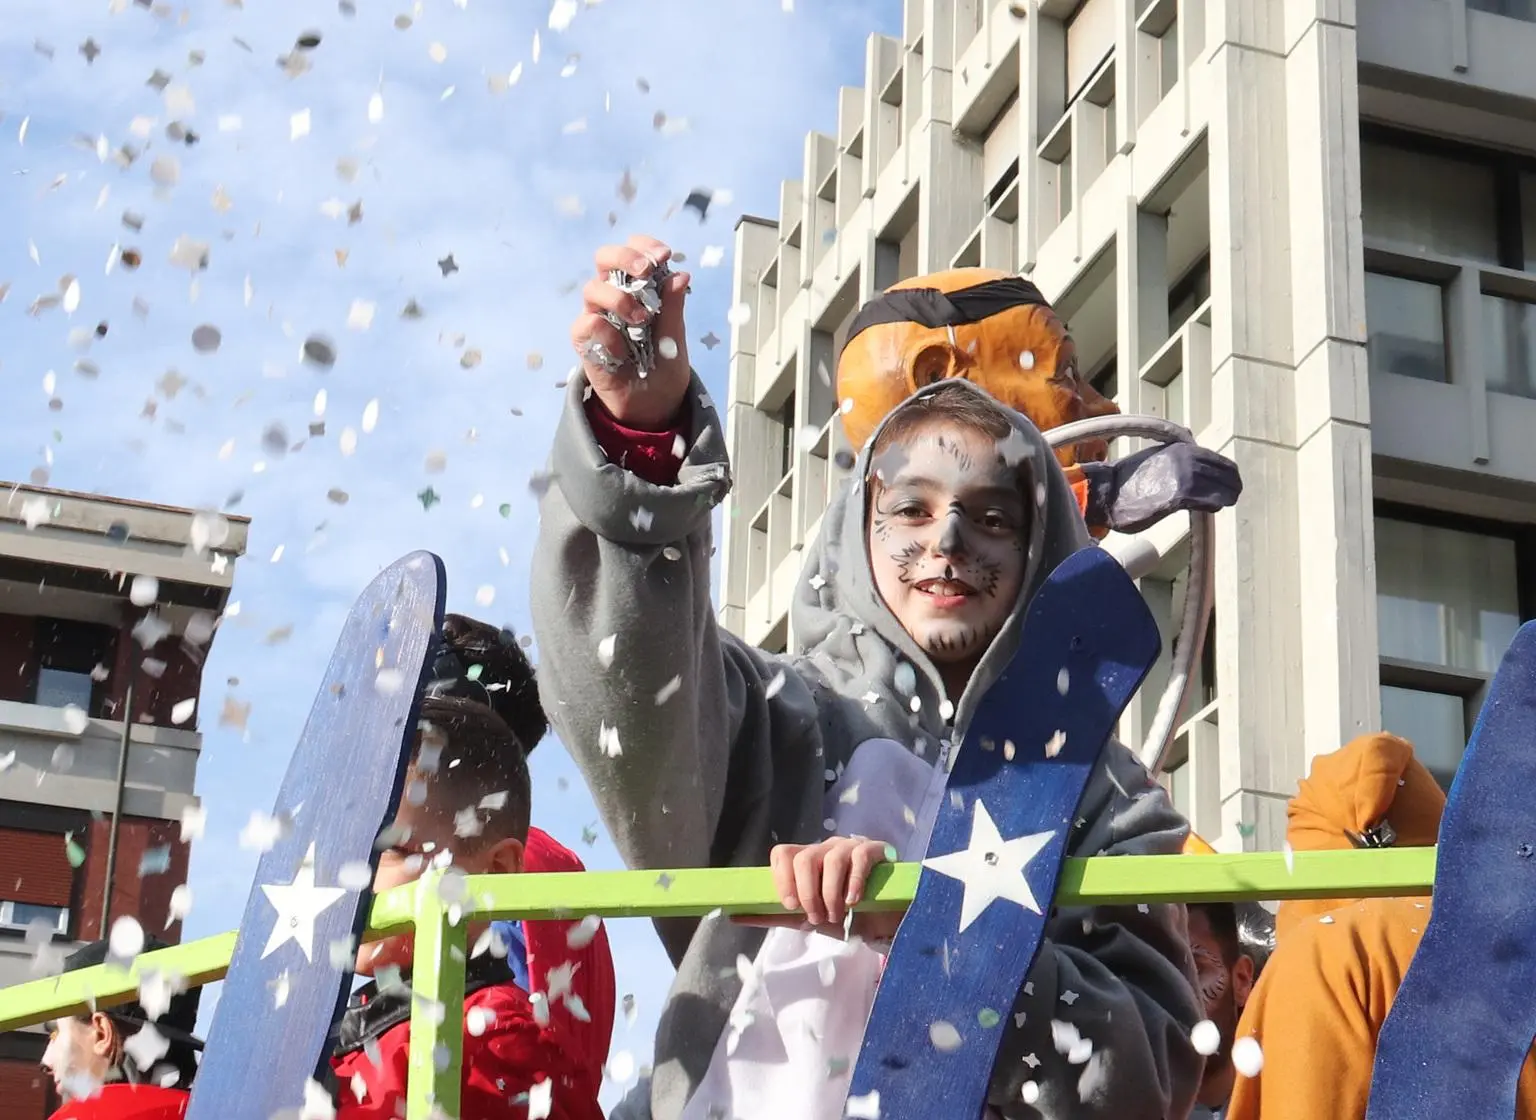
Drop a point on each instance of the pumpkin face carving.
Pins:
(983, 325)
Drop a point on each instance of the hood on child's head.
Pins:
(837, 589)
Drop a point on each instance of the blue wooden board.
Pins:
(342, 784)
(953, 961)
(1462, 1023)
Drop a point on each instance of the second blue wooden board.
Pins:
(975, 924)
(291, 970)
(1461, 1024)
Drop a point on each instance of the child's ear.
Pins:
(104, 1034)
(505, 858)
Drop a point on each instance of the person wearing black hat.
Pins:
(129, 1062)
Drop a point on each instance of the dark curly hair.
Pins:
(480, 719)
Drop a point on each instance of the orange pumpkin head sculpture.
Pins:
(986, 326)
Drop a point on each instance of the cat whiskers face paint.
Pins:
(948, 522)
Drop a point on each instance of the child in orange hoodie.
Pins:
(1337, 965)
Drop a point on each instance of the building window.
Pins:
(60, 688)
(1185, 297)
(1514, 9)
(1405, 327)
(23, 915)
(1509, 345)
(72, 660)
(1429, 203)
(1449, 600)
(1465, 212)
(786, 419)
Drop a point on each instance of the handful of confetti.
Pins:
(640, 337)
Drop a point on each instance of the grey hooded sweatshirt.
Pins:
(701, 750)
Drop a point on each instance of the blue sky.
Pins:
(517, 185)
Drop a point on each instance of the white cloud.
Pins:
(482, 175)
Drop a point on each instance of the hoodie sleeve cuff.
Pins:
(619, 504)
(650, 456)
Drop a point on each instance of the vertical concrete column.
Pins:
(1259, 651)
(947, 165)
(748, 431)
(1336, 527)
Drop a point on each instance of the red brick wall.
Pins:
(179, 682)
(16, 669)
(147, 899)
(25, 1090)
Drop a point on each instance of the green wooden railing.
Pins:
(438, 969)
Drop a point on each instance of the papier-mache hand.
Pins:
(1130, 494)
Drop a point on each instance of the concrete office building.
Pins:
(78, 665)
(1306, 229)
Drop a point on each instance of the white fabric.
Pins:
(795, 1031)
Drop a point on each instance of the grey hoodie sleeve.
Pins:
(1103, 1027)
(660, 709)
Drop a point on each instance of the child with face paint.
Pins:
(703, 751)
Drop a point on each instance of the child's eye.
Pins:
(993, 519)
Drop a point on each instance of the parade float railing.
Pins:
(441, 948)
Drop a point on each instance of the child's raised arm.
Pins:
(671, 721)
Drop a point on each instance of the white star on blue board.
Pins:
(990, 868)
(298, 904)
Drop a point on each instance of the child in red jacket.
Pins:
(95, 1059)
(537, 1018)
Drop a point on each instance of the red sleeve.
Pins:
(503, 1062)
(592, 978)
(512, 1056)
(651, 456)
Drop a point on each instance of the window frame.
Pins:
(9, 924)
(1509, 220)
(1468, 686)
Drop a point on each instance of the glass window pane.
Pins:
(58, 688)
(1436, 725)
(1445, 597)
(1429, 203)
(24, 914)
(1510, 338)
(1405, 327)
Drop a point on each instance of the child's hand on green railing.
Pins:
(820, 884)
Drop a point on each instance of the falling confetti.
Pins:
(319, 351)
(1247, 1057)
(360, 315)
(866, 1107)
(298, 125)
(1206, 1037)
(944, 1036)
(126, 941)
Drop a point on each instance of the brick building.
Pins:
(107, 611)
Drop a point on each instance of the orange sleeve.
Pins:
(1309, 1013)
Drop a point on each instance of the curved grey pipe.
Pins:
(1199, 600)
